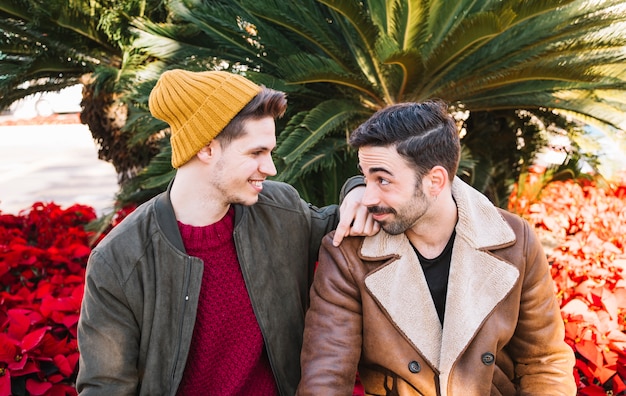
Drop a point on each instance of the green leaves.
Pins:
(341, 60)
(310, 141)
(338, 60)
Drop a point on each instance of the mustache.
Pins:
(380, 210)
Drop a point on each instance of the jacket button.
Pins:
(488, 358)
(415, 367)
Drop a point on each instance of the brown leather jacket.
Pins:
(371, 310)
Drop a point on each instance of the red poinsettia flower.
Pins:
(43, 255)
(5, 380)
(19, 340)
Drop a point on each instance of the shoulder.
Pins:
(130, 236)
(279, 198)
(280, 194)
(518, 224)
(132, 244)
(271, 188)
(135, 220)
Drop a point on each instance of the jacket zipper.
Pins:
(181, 322)
(270, 353)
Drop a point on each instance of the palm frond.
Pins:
(151, 181)
(536, 39)
(443, 17)
(308, 69)
(382, 14)
(337, 163)
(410, 23)
(47, 47)
(361, 36)
(468, 35)
(224, 29)
(358, 19)
(314, 126)
(331, 153)
(303, 24)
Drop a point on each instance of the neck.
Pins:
(432, 233)
(196, 203)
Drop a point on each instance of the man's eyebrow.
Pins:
(260, 148)
(380, 169)
(375, 169)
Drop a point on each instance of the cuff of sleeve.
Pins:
(349, 185)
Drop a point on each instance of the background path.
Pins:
(53, 163)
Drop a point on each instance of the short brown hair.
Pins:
(425, 134)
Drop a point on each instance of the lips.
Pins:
(379, 216)
(257, 184)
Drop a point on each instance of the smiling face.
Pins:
(392, 193)
(243, 164)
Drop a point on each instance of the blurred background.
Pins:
(47, 155)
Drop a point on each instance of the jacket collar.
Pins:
(166, 218)
(478, 280)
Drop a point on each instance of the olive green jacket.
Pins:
(142, 288)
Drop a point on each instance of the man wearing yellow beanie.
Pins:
(203, 289)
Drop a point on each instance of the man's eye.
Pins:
(384, 182)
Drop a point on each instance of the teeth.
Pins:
(257, 183)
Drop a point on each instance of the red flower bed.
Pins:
(584, 230)
(43, 253)
(42, 267)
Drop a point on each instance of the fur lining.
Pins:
(401, 289)
(480, 223)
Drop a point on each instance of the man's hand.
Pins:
(354, 219)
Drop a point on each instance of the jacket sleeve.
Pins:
(332, 335)
(108, 335)
(351, 183)
(324, 220)
(544, 362)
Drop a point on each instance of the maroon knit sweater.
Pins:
(227, 355)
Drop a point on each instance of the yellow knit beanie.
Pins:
(198, 106)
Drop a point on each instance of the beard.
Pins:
(403, 217)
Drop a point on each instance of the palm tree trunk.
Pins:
(105, 115)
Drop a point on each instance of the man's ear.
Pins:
(207, 152)
(438, 180)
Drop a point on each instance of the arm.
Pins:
(332, 335)
(351, 219)
(108, 335)
(544, 362)
(354, 218)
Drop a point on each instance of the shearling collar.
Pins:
(478, 280)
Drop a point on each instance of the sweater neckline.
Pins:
(210, 235)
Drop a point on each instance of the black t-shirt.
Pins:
(436, 271)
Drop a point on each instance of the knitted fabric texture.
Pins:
(227, 355)
(198, 106)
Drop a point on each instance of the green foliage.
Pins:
(49, 45)
(151, 180)
(492, 137)
(341, 60)
(36, 48)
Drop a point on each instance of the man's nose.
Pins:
(267, 166)
(370, 196)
